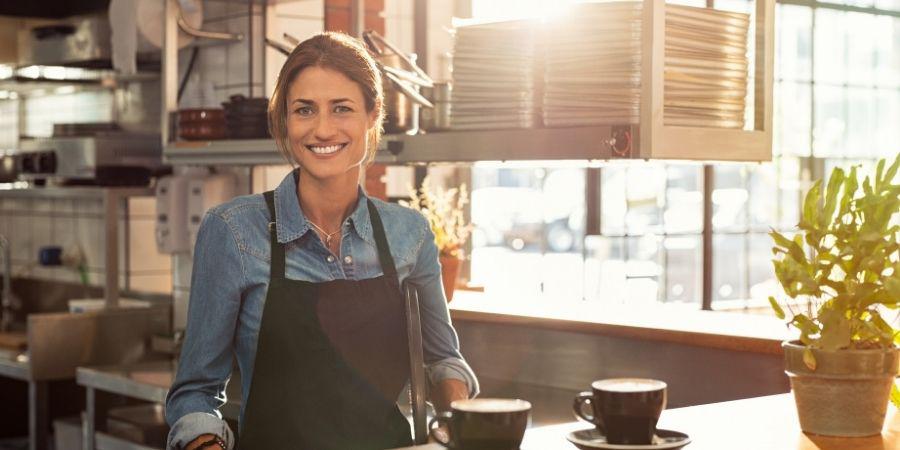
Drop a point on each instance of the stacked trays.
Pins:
(592, 66)
(493, 76)
(706, 67)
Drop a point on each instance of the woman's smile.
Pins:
(326, 150)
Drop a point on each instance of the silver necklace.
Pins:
(327, 235)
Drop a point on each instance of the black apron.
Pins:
(331, 360)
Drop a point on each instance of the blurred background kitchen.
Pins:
(598, 248)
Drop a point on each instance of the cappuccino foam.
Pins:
(629, 385)
(491, 405)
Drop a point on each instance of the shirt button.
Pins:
(330, 258)
(348, 259)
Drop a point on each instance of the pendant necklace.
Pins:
(327, 235)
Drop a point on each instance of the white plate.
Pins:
(592, 439)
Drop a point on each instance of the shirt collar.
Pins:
(292, 223)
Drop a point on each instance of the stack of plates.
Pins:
(592, 72)
(592, 65)
(493, 76)
(706, 67)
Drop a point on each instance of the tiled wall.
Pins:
(9, 124)
(41, 112)
(30, 224)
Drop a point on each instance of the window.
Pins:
(837, 102)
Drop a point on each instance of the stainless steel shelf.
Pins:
(14, 369)
(245, 152)
(97, 193)
(131, 380)
(575, 143)
(105, 441)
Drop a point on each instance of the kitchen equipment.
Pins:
(171, 214)
(438, 118)
(202, 124)
(95, 154)
(204, 193)
(142, 424)
(247, 118)
(401, 80)
(9, 167)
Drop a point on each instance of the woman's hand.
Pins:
(201, 439)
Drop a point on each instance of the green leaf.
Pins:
(831, 192)
(809, 359)
(851, 184)
(811, 204)
(836, 330)
(775, 306)
(889, 175)
(895, 395)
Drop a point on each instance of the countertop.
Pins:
(684, 324)
(760, 423)
(149, 381)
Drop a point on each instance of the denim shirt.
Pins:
(230, 279)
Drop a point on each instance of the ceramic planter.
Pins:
(847, 394)
(449, 272)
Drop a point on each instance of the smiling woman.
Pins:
(302, 285)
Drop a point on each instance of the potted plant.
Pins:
(842, 274)
(444, 210)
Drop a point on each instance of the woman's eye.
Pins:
(304, 111)
(342, 109)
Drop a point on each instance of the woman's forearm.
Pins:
(446, 391)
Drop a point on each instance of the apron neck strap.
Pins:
(384, 253)
(276, 250)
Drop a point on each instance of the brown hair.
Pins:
(335, 51)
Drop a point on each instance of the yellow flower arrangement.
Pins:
(444, 211)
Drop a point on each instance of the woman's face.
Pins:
(327, 123)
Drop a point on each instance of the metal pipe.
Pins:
(709, 180)
(6, 294)
(206, 34)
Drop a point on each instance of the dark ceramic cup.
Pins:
(483, 424)
(625, 410)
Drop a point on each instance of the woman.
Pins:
(302, 284)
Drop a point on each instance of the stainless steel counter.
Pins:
(13, 368)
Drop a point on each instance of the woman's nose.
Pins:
(325, 127)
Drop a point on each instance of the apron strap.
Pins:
(276, 250)
(384, 253)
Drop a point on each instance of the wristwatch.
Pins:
(213, 442)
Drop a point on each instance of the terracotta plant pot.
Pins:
(847, 394)
(449, 272)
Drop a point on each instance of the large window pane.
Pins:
(792, 119)
(887, 51)
(762, 184)
(645, 192)
(729, 198)
(684, 269)
(861, 42)
(831, 46)
(861, 122)
(887, 133)
(789, 193)
(730, 271)
(793, 49)
(684, 199)
(623, 269)
(613, 204)
(830, 126)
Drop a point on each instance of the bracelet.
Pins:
(214, 441)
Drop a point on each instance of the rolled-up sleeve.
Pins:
(198, 392)
(439, 340)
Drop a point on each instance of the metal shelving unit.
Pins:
(575, 143)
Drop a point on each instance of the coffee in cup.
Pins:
(625, 410)
(484, 424)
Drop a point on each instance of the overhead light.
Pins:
(30, 72)
(6, 71)
(54, 72)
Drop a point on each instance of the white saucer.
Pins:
(591, 439)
